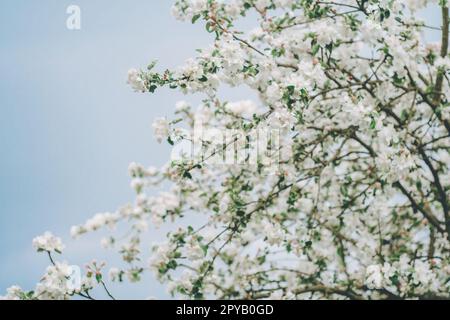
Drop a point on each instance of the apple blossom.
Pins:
(356, 205)
(161, 129)
(48, 242)
(135, 80)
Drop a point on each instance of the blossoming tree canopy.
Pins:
(357, 204)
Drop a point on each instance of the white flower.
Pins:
(245, 107)
(374, 277)
(161, 129)
(443, 63)
(114, 274)
(423, 275)
(274, 93)
(194, 252)
(273, 233)
(234, 8)
(161, 255)
(261, 5)
(48, 242)
(326, 34)
(98, 221)
(137, 184)
(198, 5)
(371, 31)
(276, 295)
(135, 170)
(107, 243)
(76, 231)
(283, 3)
(186, 280)
(13, 293)
(55, 283)
(415, 5)
(87, 283)
(152, 171)
(135, 81)
(181, 106)
(281, 118)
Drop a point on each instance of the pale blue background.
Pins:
(69, 125)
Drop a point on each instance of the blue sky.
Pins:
(69, 125)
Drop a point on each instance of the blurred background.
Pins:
(70, 126)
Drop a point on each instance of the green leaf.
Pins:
(195, 18)
(205, 249)
(315, 48)
(187, 174)
(172, 264)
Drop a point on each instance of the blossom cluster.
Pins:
(48, 242)
(61, 281)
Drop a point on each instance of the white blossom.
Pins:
(374, 276)
(245, 107)
(48, 242)
(135, 81)
(161, 129)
